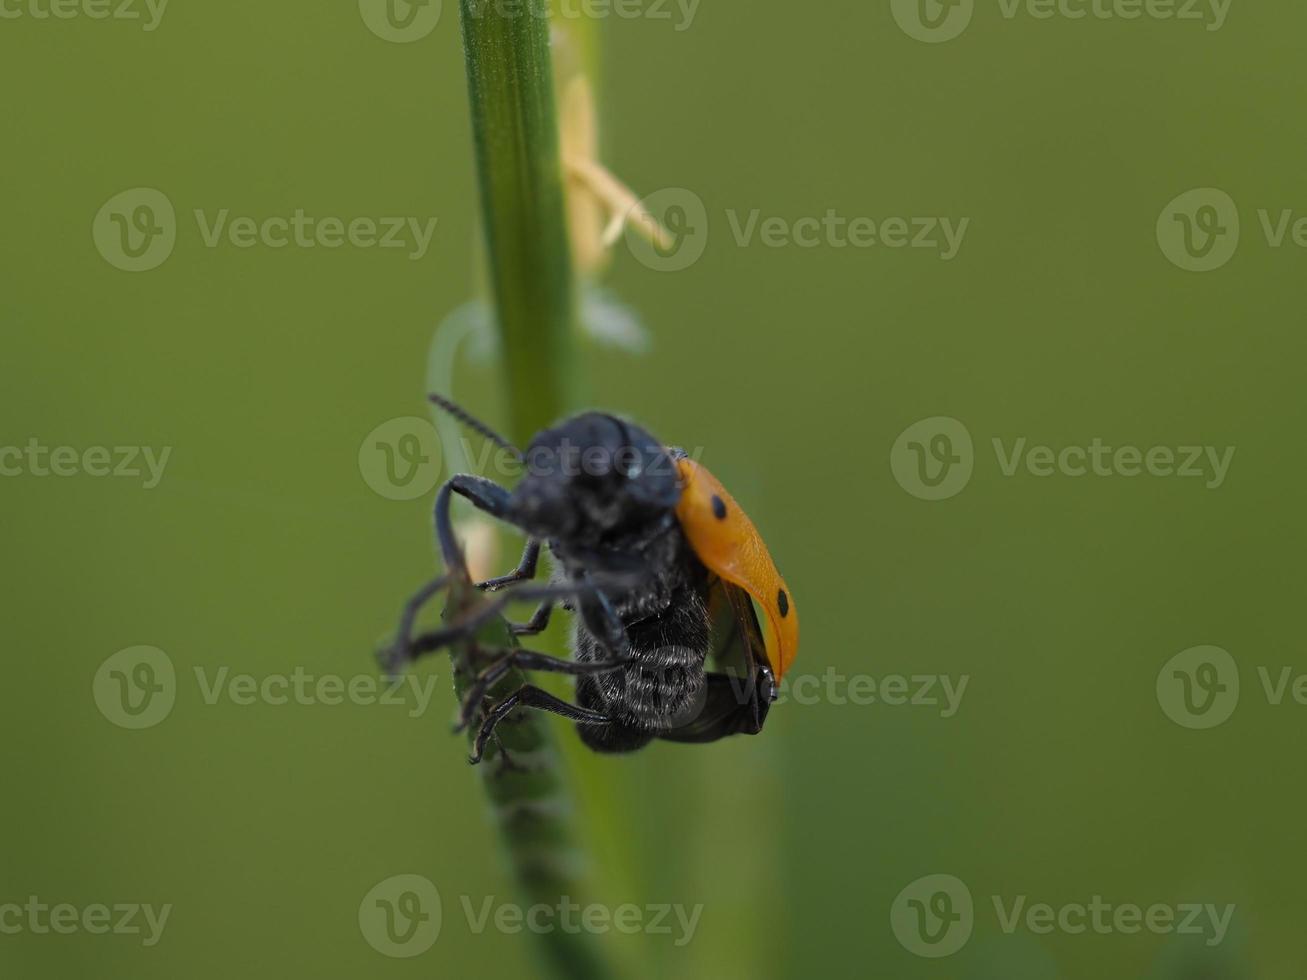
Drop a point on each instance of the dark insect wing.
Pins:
(737, 694)
(738, 646)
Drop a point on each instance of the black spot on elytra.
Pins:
(718, 507)
(783, 601)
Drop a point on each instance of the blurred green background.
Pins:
(262, 549)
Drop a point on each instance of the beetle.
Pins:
(659, 564)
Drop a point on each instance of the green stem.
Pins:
(531, 801)
(510, 84)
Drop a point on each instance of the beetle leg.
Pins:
(530, 697)
(538, 622)
(394, 656)
(410, 648)
(485, 495)
(601, 619)
(526, 570)
(507, 659)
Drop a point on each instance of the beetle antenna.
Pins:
(473, 423)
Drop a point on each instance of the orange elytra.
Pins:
(729, 545)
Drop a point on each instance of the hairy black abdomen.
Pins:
(667, 627)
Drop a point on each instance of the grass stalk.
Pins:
(515, 130)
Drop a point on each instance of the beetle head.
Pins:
(593, 479)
